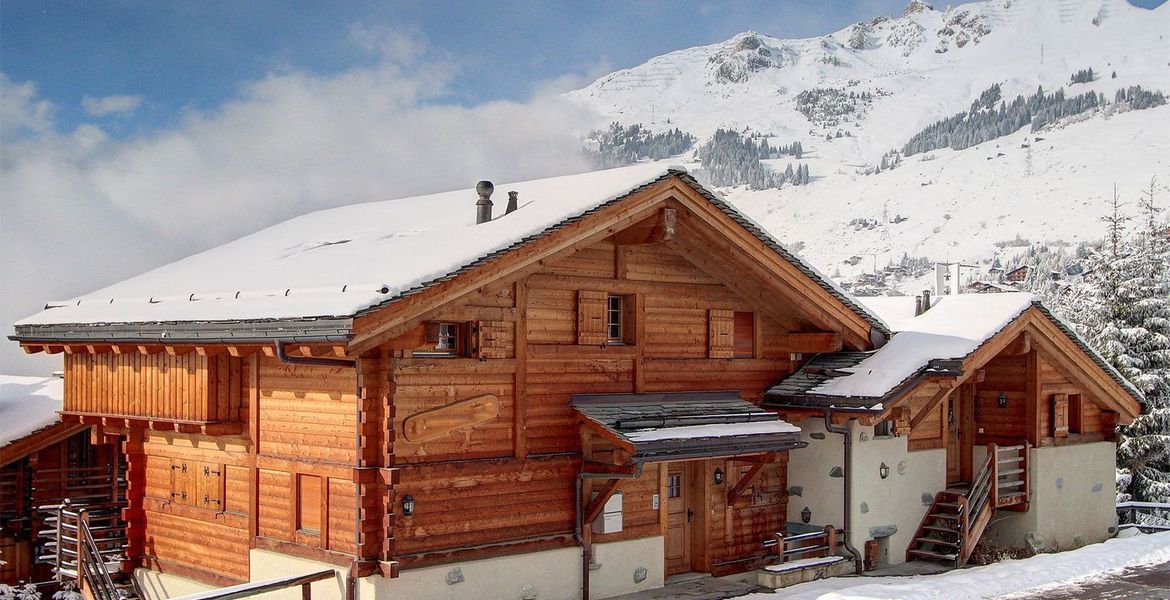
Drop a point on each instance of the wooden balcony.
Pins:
(168, 390)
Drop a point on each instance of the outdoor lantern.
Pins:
(1002, 400)
(718, 476)
(884, 470)
(806, 515)
(408, 505)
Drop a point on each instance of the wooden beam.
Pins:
(654, 230)
(812, 343)
(97, 348)
(31, 348)
(592, 466)
(1033, 427)
(149, 349)
(53, 349)
(931, 404)
(1020, 346)
(597, 504)
(734, 493)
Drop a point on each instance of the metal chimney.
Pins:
(483, 206)
(513, 203)
(917, 305)
(925, 300)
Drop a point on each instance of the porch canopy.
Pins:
(679, 426)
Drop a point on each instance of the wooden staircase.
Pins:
(958, 517)
(86, 545)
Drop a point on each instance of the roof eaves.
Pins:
(308, 330)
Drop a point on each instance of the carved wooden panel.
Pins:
(1060, 415)
(436, 423)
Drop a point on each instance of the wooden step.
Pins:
(933, 555)
(951, 505)
(936, 541)
(942, 529)
(1003, 473)
(944, 517)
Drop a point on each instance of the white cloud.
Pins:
(81, 210)
(21, 112)
(109, 105)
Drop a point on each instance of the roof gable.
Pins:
(310, 276)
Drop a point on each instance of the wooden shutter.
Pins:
(591, 318)
(491, 339)
(309, 502)
(1060, 415)
(209, 489)
(432, 332)
(720, 338)
(182, 480)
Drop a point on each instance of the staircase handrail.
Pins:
(91, 565)
(245, 590)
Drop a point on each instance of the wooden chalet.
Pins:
(44, 461)
(560, 402)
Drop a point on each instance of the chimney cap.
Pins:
(484, 188)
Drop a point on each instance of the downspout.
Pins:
(579, 530)
(846, 473)
(350, 580)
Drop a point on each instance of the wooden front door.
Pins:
(960, 427)
(678, 521)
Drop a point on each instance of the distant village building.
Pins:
(622, 380)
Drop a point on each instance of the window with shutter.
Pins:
(309, 503)
(591, 318)
(491, 339)
(720, 337)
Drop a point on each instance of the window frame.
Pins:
(620, 312)
(444, 332)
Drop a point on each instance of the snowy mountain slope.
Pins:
(918, 68)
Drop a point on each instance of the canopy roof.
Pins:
(673, 426)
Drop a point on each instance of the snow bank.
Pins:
(28, 404)
(992, 581)
(953, 328)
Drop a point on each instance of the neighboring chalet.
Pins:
(618, 379)
(43, 461)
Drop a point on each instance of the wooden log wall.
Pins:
(195, 504)
(509, 483)
(187, 387)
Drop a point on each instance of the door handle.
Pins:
(690, 513)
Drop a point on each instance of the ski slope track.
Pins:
(920, 67)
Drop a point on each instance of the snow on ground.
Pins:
(992, 581)
(1044, 186)
(953, 328)
(28, 404)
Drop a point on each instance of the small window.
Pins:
(444, 339)
(614, 317)
(744, 335)
(673, 486)
(883, 429)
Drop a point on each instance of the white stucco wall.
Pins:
(617, 563)
(160, 586)
(809, 482)
(1073, 499)
(901, 499)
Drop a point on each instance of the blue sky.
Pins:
(184, 55)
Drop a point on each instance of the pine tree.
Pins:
(1143, 343)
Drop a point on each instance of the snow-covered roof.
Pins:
(340, 261)
(337, 263)
(687, 425)
(953, 328)
(28, 404)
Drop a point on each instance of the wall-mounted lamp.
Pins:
(1002, 400)
(407, 505)
(718, 476)
(806, 515)
(884, 470)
